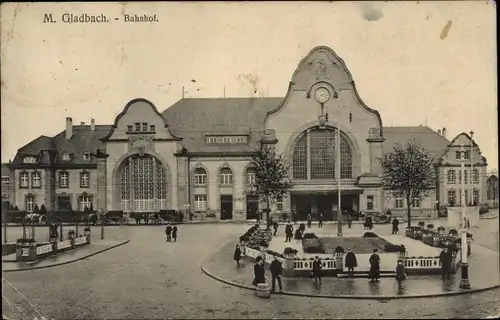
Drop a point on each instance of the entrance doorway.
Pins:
(226, 207)
(318, 203)
(64, 203)
(252, 207)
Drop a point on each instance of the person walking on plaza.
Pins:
(395, 226)
(174, 233)
(320, 221)
(168, 232)
(309, 220)
(275, 226)
(400, 272)
(375, 266)
(445, 258)
(259, 272)
(349, 221)
(316, 270)
(288, 232)
(237, 255)
(276, 269)
(350, 262)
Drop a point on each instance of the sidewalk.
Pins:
(483, 273)
(10, 265)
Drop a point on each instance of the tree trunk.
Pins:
(268, 225)
(408, 205)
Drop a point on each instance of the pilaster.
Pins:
(102, 185)
(183, 184)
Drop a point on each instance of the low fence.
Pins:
(29, 251)
(306, 265)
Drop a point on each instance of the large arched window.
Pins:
(314, 155)
(200, 177)
(250, 176)
(143, 184)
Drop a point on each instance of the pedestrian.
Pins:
(174, 233)
(298, 235)
(316, 270)
(275, 226)
(400, 272)
(276, 269)
(350, 262)
(259, 272)
(395, 226)
(375, 266)
(288, 232)
(168, 232)
(320, 221)
(445, 259)
(349, 221)
(309, 220)
(237, 255)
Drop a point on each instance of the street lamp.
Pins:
(471, 167)
(464, 281)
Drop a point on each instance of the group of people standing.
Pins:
(171, 233)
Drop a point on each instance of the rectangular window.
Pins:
(475, 176)
(458, 155)
(226, 140)
(63, 180)
(130, 128)
(465, 196)
(416, 203)
(465, 177)
(84, 202)
(241, 139)
(86, 156)
(144, 127)
(398, 200)
(452, 198)
(279, 203)
(212, 140)
(30, 203)
(36, 180)
(65, 157)
(200, 203)
(467, 155)
(250, 178)
(24, 180)
(475, 196)
(200, 178)
(137, 126)
(152, 128)
(451, 177)
(369, 202)
(29, 160)
(84, 180)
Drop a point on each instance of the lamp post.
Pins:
(464, 281)
(471, 166)
(337, 170)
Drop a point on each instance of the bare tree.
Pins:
(409, 170)
(271, 178)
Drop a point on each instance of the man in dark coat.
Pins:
(276, 269)
(309, 220)
(316, 270)
(237, 255)
(320, 221)
(168, 232)
(349, 221)
(445, 258)
(395, 226)
(259, 272)
(375, 266)
(350, 262)
(288, 232)
(275, 227)
(174, 233)
(400, 272)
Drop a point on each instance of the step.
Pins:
(365, 275)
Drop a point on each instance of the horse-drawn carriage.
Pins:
(157, 217)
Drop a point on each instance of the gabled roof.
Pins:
(37, 145)
(429, 139)
(193, 119)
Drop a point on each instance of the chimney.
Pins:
(69, 128)
(92, 124)
(443, 133)
(82, 123)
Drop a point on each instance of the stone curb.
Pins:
(70, 261)
(358, 297)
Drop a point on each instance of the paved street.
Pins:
(149, 278)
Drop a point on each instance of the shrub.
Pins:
(314, 249)
(310, 236)
(289, 250)
(483, 210)
(370, 235)
(453, 232)
(394, 248)
(24, 240)
(339, 249)
(244, 238)
(421, 224)
(274, 253)
(263, 243)
(440, 228)
(430, 226)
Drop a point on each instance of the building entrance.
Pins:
(327, 204)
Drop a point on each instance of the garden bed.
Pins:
(358, 245)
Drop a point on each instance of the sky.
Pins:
(417, 63)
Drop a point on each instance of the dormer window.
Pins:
(86, 156)
(130, 128)
(137, 126)
(65, 156)
(152, 128)
(29, 159)
(144, 127)
(231, 139)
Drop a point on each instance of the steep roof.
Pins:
(435, 143)
(83, 140)
(192, 119)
